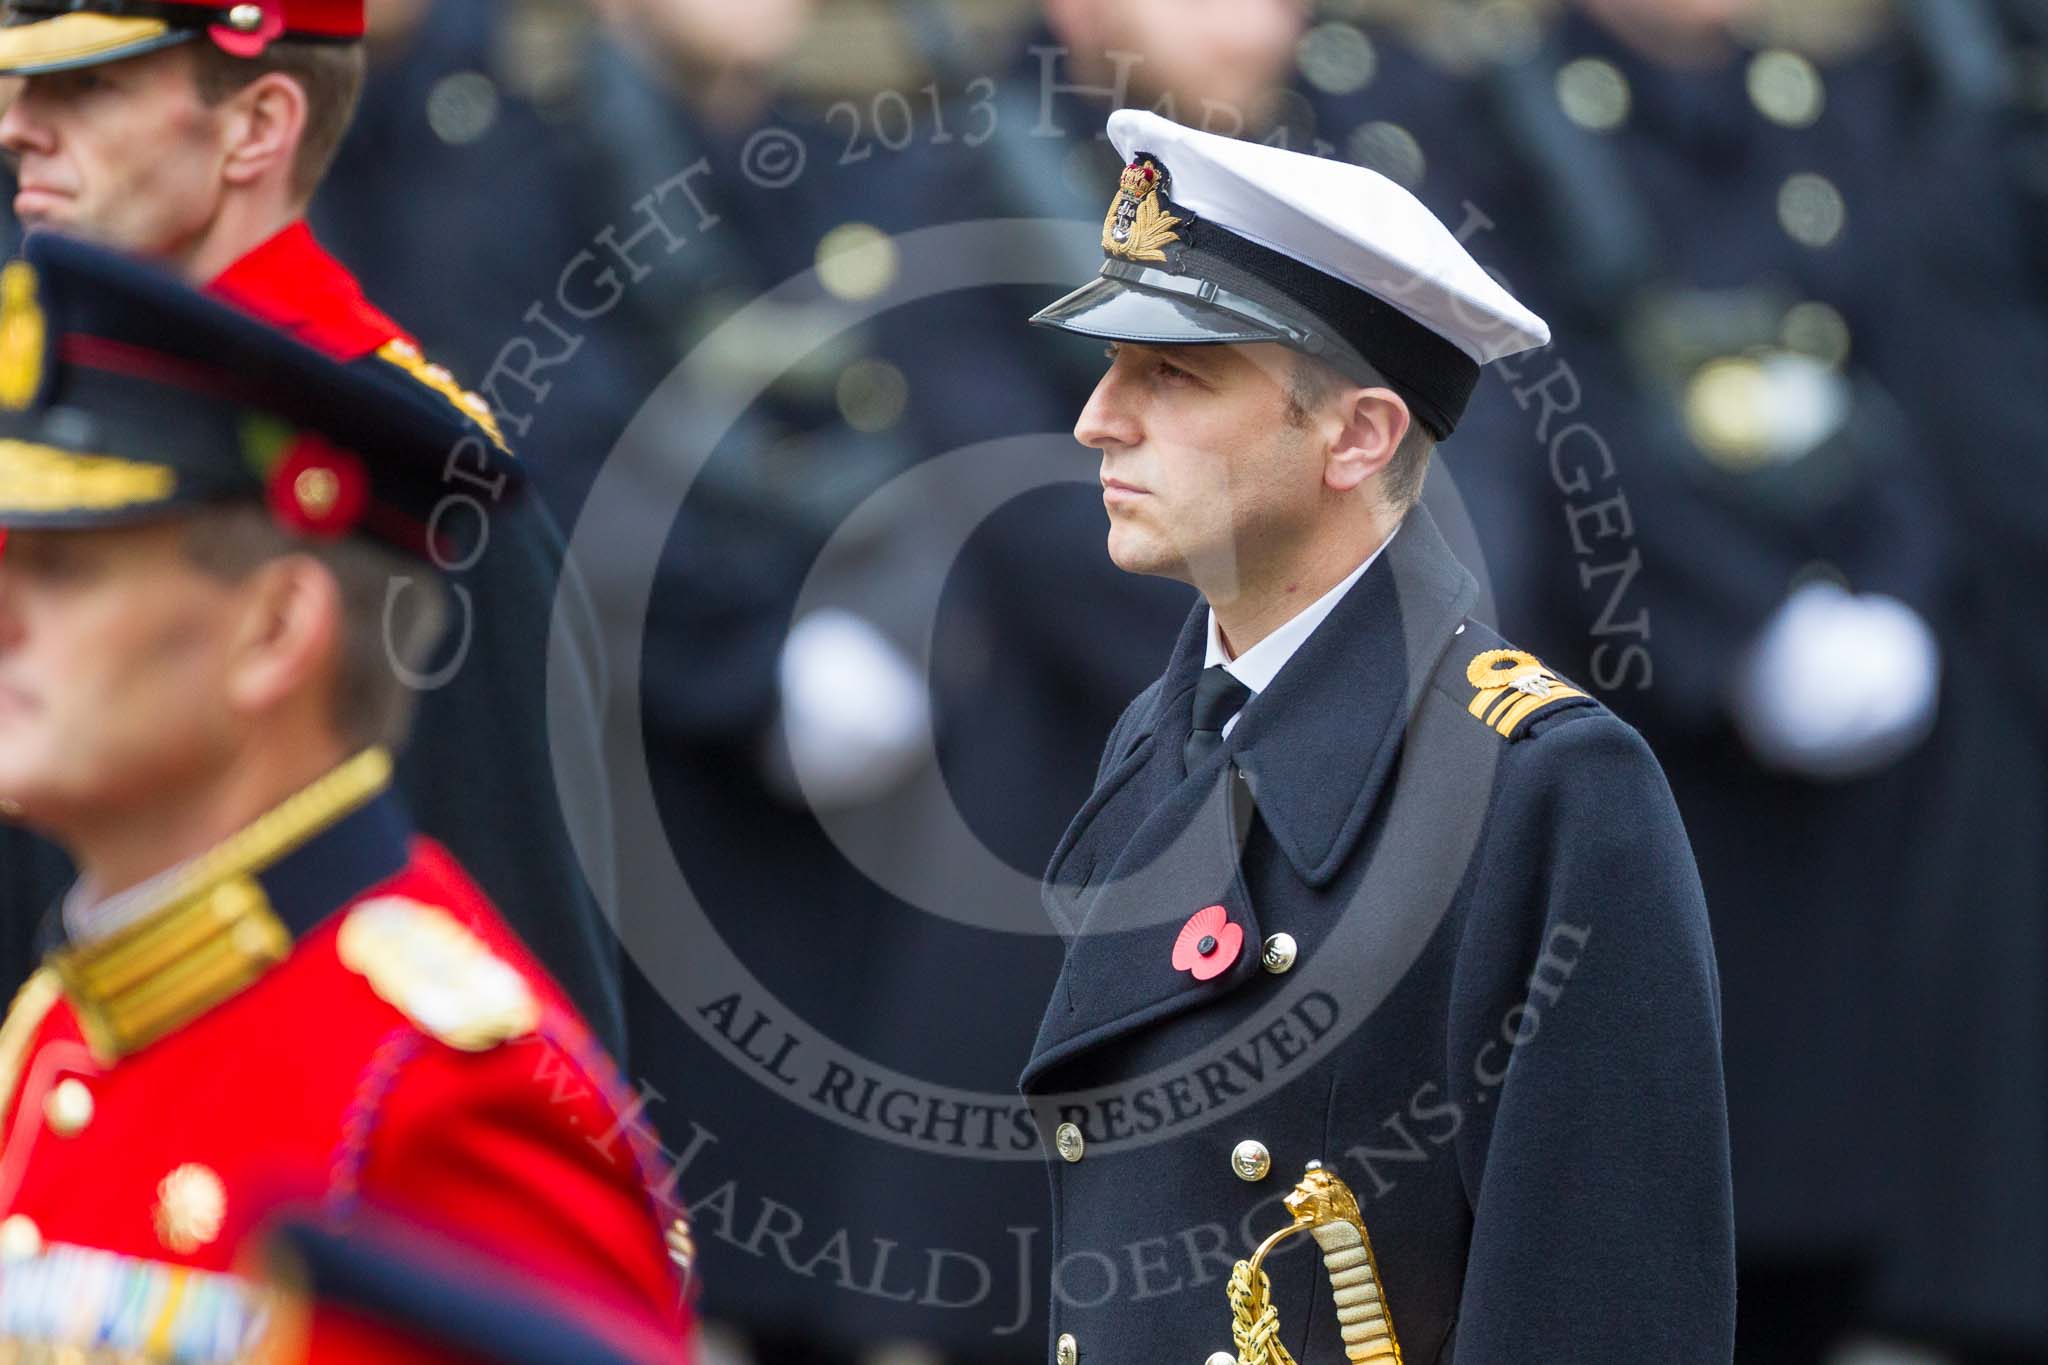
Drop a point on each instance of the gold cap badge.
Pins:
(1137, 228)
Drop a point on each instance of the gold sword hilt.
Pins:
(1324, 1208)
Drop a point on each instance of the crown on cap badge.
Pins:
(1137, 228)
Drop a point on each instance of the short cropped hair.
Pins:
(1312, 383)
(331, 74)
(373, 702)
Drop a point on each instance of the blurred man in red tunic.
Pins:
(197, 135)
(273, 999)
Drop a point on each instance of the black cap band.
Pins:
(1431, 373)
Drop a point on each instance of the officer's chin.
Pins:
(1137, 551)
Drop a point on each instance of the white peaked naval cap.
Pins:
(1212, 240)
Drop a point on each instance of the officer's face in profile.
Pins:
(1206, 476)
(126, 153)
(115, 656)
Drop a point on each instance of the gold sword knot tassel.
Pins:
(1324, 1208)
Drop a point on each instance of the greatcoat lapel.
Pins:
(1315, 751)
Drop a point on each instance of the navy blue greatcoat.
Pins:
(1501, 1027)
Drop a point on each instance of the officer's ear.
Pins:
(263, 124)
(1371, 424)
(287, 637)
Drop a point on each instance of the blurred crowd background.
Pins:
(1778, 492)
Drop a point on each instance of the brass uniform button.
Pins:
(1280, 954)
(68, 1107)
(1067, 1140)
(1251, 1161)
(1067, 1351)
(20, 1238)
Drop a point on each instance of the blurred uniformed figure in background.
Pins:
(271, 996)
(1774, 475)
(197, 134)
(1351, 847)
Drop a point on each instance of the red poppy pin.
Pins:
(318, 489)
(1208, 944)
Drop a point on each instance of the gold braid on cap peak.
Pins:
(39, 478)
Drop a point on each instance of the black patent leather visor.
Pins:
(1145, 306)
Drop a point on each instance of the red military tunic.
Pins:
(290, 282)
(324, 1017)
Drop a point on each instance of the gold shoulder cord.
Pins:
(1324, 1208)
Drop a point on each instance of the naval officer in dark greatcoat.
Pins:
(1364, 896)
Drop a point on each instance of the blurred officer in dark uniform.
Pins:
(1784, 297)
(122, 132)
(270, 993)
(1339, 855)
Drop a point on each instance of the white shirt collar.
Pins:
(88, 920)
(1258, 666)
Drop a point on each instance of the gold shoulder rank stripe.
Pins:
(40, 478)
(428, 966)
(215, 933)
(1513, 686)
(407, 357)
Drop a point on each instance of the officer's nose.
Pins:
(21, 130)
(1109, 418)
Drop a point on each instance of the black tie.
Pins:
(1218, 697)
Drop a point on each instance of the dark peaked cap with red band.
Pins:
(62, 35)
(1214, 241)
(128, 396)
